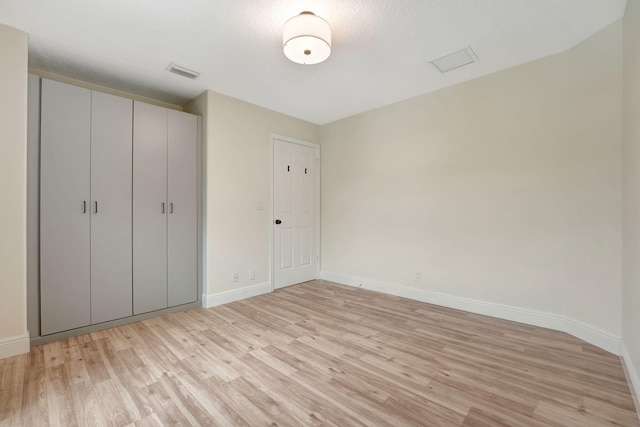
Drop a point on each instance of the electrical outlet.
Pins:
(418, 277)
(236, 277)
(252, 274)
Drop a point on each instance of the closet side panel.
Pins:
(33, 207)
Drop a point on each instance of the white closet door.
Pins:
(64, 207)
(149, 208)
(295, 212)
(111, 169)
(182, 220)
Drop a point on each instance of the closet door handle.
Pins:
(171, 207)
(162, 207)
(96, 205)
(84, 206)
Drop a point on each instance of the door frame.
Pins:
(272, 138)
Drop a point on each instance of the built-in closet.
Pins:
(118, 206)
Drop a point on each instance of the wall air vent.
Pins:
(183, 71)
(455, 60)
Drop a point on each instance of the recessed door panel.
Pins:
(305, 191)
(305, 246)
(286, 179)
(286, 248)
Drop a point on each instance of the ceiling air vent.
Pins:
(183, 71)
(455, 60)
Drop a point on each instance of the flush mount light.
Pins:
(306, 39)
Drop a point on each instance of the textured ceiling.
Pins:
(381, 48)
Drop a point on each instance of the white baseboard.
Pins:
(632, 375)
(14, 346)
(585, 332)
(225, 297)
(592, 335)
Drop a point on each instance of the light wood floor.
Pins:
(317, 354)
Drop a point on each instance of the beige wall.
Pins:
(238, 170)
(13, 188)
(504, 189)
(631, 190)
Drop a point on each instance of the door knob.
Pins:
(278, 221)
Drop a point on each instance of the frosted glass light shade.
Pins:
(306, 39)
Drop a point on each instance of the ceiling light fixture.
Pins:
(306, 39)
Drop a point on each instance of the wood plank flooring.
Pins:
(317, 354)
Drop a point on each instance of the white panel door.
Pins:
(111, 168)
(182, 229)
(149, 208)
(64, 207)
(295, 192)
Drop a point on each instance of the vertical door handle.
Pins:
(162, 207)
(171, 207)
(84, 206)
(96, 206)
